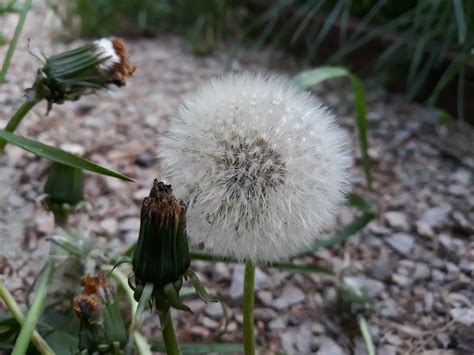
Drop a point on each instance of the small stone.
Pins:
(329, 346)
(277, 324)
(199, 331)
(437, 216)
(290, 296)
(438, 276)
(383, 269)
(464, 316)
(388, 308)
(303, 338)
(360, 347)
(214, 310)
(130, 224)
(372, 287)
(424, 229)
(462, 176)
(397, 220)
(139, 195)
(220, 272)
(266, 297)
(377, 229)
(109, 225)
(237, 285)
(401, 242)
(317, 328)
(209, 323)
(387, 350)
(265, 314)
(145, 160)
(422, 271)
(457, 190)
(393, 339)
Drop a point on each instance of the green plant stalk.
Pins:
(364, 329)
(31, 100)
(169, 337)
(16, 36)
(11, 304)
(249, 302)
(28, 328)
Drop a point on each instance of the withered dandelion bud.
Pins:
(162, 252)
(84, 70)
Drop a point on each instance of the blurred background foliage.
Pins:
(421, 47)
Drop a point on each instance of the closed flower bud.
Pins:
(162, 254)
(84, 70)
(64, 189)
(65, 184)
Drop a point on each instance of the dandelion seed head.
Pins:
(262, 166)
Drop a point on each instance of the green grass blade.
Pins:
(34, 313)
(58, 155)
(194, 348)
(460, 21)
(309, 78)
(301, 268)
(16, 36)
(357, 225)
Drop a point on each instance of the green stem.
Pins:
(11, 304)
(364, 329)
(28, 328)
(31, 100)
(16, 36)
(169, 336)
(249, 302)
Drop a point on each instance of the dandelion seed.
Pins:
(262, 166)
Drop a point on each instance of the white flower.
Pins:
(104, 48)
(262, 166)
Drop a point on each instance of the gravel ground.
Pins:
(415, 259)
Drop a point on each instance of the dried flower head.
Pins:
(262, 166)
(84, 70)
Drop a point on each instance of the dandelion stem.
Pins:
(11, 304)
(249, 302)
(31, 100)
(364, 329)
(169, 336)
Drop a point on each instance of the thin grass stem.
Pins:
(28, 327)
(14, 308)
(31, 100)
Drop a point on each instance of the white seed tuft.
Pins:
(262, 166)
(104, 48)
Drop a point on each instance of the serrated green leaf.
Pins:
(309, 78)
(58, 155)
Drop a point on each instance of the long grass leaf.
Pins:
(460, 21)
(27, 330)
(58, 155)
(309, 78)
(16, 36)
